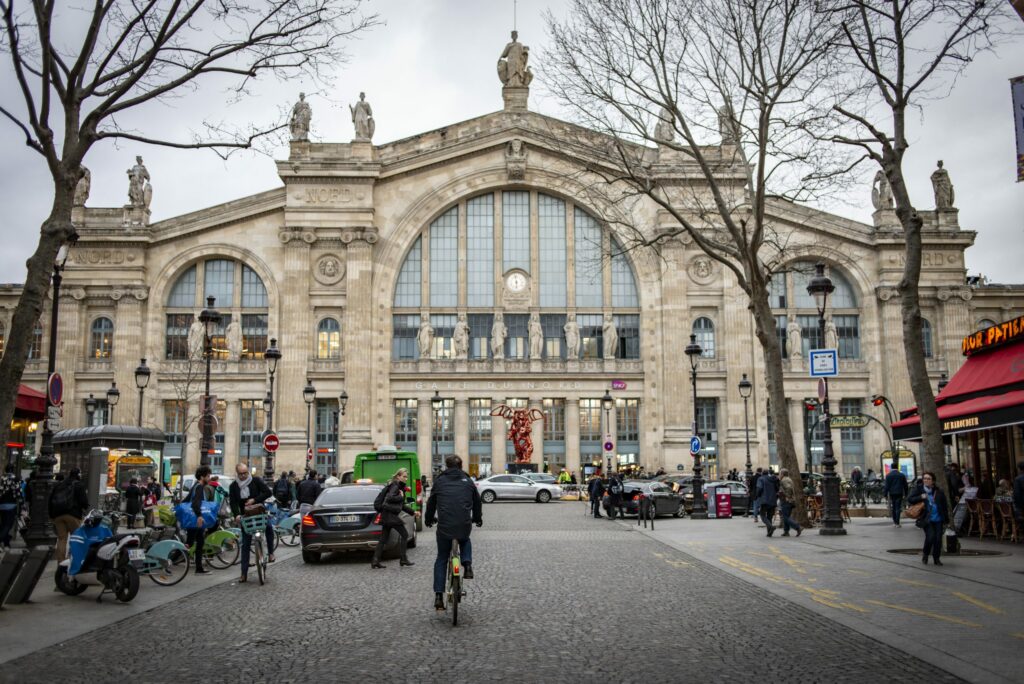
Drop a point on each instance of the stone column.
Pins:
(537, 434)
(358, 331)
(462, 431)
(498, 441)
(897, 378)
(572, 434)
(956, 324)
(127, 353)
(69, 355)
(796, 421)
(424, 434)
(295, 342)
(674, 326)
(233, 438)
(734, 339)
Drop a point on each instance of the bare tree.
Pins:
(901, 54)
(733, 94)
(187, 380)
(83, 69)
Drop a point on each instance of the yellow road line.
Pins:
(825, 597)
(923, 613)
(858, 572)
(918, 583)
(976, 602)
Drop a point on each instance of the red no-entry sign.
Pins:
(271, 442)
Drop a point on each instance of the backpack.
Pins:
(282, 491)
(615, 487)
(378, 503)
(60, 499)
(10, 490)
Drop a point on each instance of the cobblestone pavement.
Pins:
(558, 597)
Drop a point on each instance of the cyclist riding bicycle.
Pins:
(454, 504)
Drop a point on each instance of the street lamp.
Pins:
(141, 380)
(113, 396)
(309, 396)
(40, 531)
(811, 406)
(882, 400)
(435, 406)
(607, 403)
(699, 509)
(209, 317)
(820, 288)
(342, 402)
(272, 356)
(746, 387)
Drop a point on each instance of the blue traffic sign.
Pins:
(695, 445)
(824, 363)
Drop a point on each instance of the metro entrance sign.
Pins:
(271, 442)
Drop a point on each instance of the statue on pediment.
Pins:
(83, 187)
(362, 117)
(512, 68)
(664, 131)
(138, 181)
(302, 114)
(498, 334)
(943, 187)
(881, 192)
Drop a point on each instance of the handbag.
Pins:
(255, 509)
(916, 510)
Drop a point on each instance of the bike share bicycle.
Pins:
(454, 590)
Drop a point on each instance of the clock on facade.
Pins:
(515, 282)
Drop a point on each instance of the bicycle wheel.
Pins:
(173, 570)
(456, 597)
(261, 568)
(223, 555)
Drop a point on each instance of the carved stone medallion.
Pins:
(701, 270)
(329, 270)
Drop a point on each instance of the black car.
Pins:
(343, 519)
(666, 502)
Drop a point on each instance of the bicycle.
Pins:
(256, 527)
(453, 585)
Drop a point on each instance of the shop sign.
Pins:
(999, 334)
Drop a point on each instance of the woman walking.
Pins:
(391, 517)
(935, 515)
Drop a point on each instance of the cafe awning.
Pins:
(989, 373)
(30, 403)
(979, 413)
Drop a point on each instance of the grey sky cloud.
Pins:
(433, 64)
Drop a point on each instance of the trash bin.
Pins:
(723, 502)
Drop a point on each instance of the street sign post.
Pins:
(271, 442)
(695, 445)
(824, 363)
(309, 454)
(55, 389)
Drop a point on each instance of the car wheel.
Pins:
(488, 496)
(544, 496)
(680, 511)
(310, 556)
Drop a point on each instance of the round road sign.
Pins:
(608, 446)
(309, 454)
(695, 445)
(55, 389)
(271, 442)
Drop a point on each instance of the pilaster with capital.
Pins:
(127, 347)
(295, 342)
(69, 351)
(894, 360)
(572, 434)
(956, 323)
(537, 435)
(233, 439)
(424, 434)
(462, 430)
(358, 334)
(498, 441)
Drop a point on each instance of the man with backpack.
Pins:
(283, 491)
(67, 506)
(895, 489)
(596, 491)
(615, 497)
(309, 490)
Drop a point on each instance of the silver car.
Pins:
(516, 487)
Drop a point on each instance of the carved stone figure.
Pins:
(196, 340)
(234, 339)
(83, 187)
(515, 159)
(795, 339)
(138, 179)
(881, 193)
(831, 335)
(498, 334)
(362, 117)
(461, 338)
(572, 339)
(943, 186)
(302, 114)
(536, 337)
(728, 128)
(610, 335)
(663, 130)
(512, 68)
(425, 337)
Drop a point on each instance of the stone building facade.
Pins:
(381, 270)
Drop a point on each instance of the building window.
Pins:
(183, 294)
(254, 292)
(517, 344)
(591, 335)
(217, 457)
(788, 296)
(219, 281)
(554, 424)
(627, 420)
(444, 259)
(251, 420)
(175, 417)
(328, 339)
(848, 407)
(35, 348)
(515, 210)
(628, 327)
(403, 337)
(444, 332)
(3, 331)
(588, 261)
(406, 418)
(408, 291)
(590, 420)
(443, 432)
(704, 329)
(926, 336)
(848, 334)
(781, 334)
(254, 335)
(551, 234)
(219, 338)
(101, 345)
(101, 415)
(777, 291)
(480, 251)
(480, 420)
(770, 424)
(810, 334)
(553, 326)
(480, 335)
(326, 436)
(707, 420)
(623, 283)
(177, 336)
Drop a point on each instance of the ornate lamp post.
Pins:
(142, 373)
(699, 509)
(820, 288)
(209, 317)
(272, 356)
(40, 531)
(607, 403)
(338, 415)
(113, 396)
(746, 387)
(435, 405)
(309, 396)
(90, 410)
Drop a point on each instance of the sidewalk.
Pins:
(964, 617)
(52, 617)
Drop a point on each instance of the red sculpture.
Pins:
(519, 429)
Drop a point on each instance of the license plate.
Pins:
(336, 519)
(136, 554)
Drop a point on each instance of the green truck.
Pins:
(381, 465)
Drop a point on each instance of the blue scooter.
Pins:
(101, 558)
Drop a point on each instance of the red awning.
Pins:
(30, 403)
(986, 373)
(980, 413)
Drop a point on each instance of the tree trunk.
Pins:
(54, 232)
(764, 322)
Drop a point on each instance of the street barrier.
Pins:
(31, 571)
(10, 566)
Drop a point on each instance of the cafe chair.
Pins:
(972, 516)
(986, 518)
(1009, 522)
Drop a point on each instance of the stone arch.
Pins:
(834, 259)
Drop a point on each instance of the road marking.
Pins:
(825, 597)
(858, 572)
(923, 613)
(918, 583)
(976, 602)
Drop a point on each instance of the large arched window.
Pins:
(789, 299)
(704, 329)
(523, 250)
(926, 336)
(240, 296)
(328, 339)
(101, 338)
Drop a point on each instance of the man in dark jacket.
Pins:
(245, 491)
(752, 488)
(197, 535)
(595, 488)
(615, 497)
(392, 506)
(895, 488)
(283, 490)
(68, 504)
(454, 504)
(308, 490)
(768, 493)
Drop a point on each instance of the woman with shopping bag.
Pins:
(933, 518)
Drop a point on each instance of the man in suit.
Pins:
(768, 493)
(895, 488)
(595, 488)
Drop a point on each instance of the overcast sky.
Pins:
(433, 64)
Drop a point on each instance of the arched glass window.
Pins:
(985, 323)
(241, 296)
(328, 339)
(101, 344)
(789, 297)
(408, 292)
(588, 261)
(926, 335)
(35, 349)
(444, 259)
(704, 329)
(623, 283)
